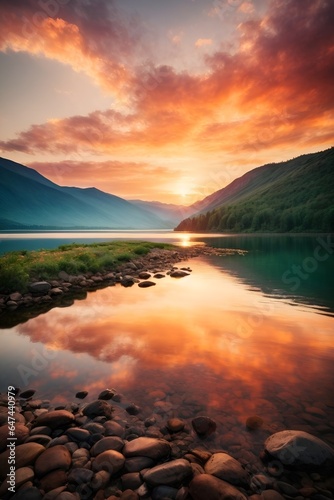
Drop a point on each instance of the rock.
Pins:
(27, 394)
(164, 493)
(137, 464)
(98, 408)
(112, 461)
(207, 487)
(146, 284)
(29, 493)
(56, 457)
(159, 276)
(113, 429)
(131, 481)
(178, 274)
(169, 474)
(271, 495)
(227, 468)
(253, 423)
(80, 458)
(147, 447)
(21, 434)
(80, 475)
(40, 287)
(56, 291)
(25, 454)
(16, 296)
(53, 480)
(42, 439)
(299, 448)
(78, 434)
(175, 425)
(144, 275)
(22, 476)
(107, 443)
(106, 394)
(133, 409)
(287, 489)
(204, 426)
(55, 419)
(81, 394)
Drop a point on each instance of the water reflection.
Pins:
(207, 341)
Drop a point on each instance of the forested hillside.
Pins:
(297, 196)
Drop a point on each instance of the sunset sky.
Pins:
(164, 100)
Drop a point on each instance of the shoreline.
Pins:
(106, 448)
(143, 271)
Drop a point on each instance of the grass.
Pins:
(18, 268)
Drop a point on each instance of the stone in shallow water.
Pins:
(254, 422)
(112, 461)
(175, 425)
(106, 394)
(147, 447)
(113, 429)
(204, 426)
(81, 394)
(27, 394)
(107, 443)
(146, 284)
(55, 419)
(227, 468)
(178, 274)
(299, 448)
(57, 457)
(98, 408)
(136, 464)
(169, 474)
(207, 487)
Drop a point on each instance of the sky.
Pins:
(163, 100)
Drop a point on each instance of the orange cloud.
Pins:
(202, 42)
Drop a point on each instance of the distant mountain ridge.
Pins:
(30, 200)
(295, 195)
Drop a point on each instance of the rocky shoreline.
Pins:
(143, 271)
(105, 449)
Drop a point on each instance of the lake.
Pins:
(241, 336)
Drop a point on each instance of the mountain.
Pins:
(295, 195)
(168, 212)
(29, 200)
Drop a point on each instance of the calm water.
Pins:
(240, 336)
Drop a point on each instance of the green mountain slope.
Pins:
(27, 199)
(296, 196)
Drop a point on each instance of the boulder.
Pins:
(111, 461)
(169, 474)
(204, 426)
(40, 287)
(147, 447)
(205, 487)
(98, 408)
(107, 443)
(178, 274)
(146, 284)
(56, 457)
(299, 448)
(227, 468)
(55, 419)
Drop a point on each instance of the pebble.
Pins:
(204, 426)
(112, 461)
(170, 473)
(98, 408)
(107, 443)
(147, 447)
(57, 457)
(106, 394)
(227, 468)
(205, 487)
(55, 419)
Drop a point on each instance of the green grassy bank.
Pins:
(17, 269)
